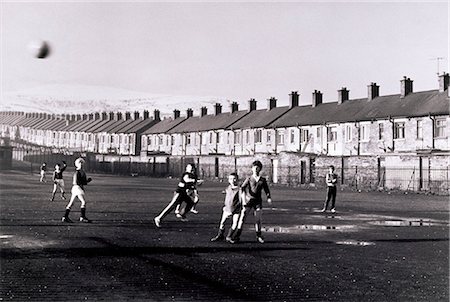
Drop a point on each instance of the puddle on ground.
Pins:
(299, 228)
(355, 242)
(411, 223)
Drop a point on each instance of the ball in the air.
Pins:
(39, 49)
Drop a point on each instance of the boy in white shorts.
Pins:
(232, 208)
(79, 181)
(58, 181)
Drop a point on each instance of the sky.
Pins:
(228, 50)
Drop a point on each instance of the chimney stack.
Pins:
(111, 116)
(293, 99)
(189, 113)
(271, 103)
(316, 98)
(136, 115)
(156, 115)
(251, 105)
(104, 116)
(343, 94)
(176, 114)
(97, 116)
(373, 91)
(234, 107)
(84, 117)
(218, 109)
(203, 111)
(406, 87)
(119, 116)
(146, 114)
(127, 115)
(443, 82)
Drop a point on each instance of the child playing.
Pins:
(79, 181)
(251, 198)
(58, 181)
(43, 172)
(331, 180)
(232, 207)
(185, 187)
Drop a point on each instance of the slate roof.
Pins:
(139, 127)
(259, 118)
(165, 125)
(209, 122)
(413, 105)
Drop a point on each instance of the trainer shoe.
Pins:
(194, 211)
(217, 238)
(184, 219)
(84, 219)
(231, 240)
(178, 215)
(66, 219)
(157, 222)
(333, 211)
(260, 239)
(323, 210)
(177, 211)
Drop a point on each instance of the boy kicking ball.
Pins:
(232, 208)
(252, 189)
(79, 181)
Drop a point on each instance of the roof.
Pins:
(209, 122)
(413, 105)
(259, 118)
(165, 125)
(142, 126)
(113, 128)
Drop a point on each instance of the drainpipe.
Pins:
(433, 121)
(299, 138)
(326, 138)
(359, 137)
(393, 132)
(201, 141)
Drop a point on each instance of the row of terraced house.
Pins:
(382, 135)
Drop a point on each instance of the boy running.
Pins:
(58, 181)
(251, 198)
(232, 207)
(185, 188)
(79, 181)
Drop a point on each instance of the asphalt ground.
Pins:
(377, 247)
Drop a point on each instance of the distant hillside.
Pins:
(86, 99)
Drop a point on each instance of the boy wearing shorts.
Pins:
(232, 208)
(58, 181)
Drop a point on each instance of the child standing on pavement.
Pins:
(58, 181)
(252, 189)
(79, 181)
(43, 172)
(186, 187)
(331, 180)
(232, 208)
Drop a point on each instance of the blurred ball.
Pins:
(39, 49)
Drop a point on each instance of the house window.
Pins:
(319, 132)
(304, 135)
(188, 139)
(332, 134)
(160, 140)
(217, 138)
(292, 136)
(228, 138)
(172, 138)
(419, 129)
(258, 136)
(269, 136)
(247, 137)
(348, 133)
(237, 137)
(280, 137)
(167, 140)
(211, 138)
(364, 132)
(439, 128)
(399, 130)
(380, 131)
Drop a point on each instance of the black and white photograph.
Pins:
(224, 150)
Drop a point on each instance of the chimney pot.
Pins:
(97, 116)
(127, 116)
(218, 108)
(316, 98)
(146, 114)
(156, 115)
(271, 103)
(293, 99)
(406, 87)
(136, 115)
(343, 95)
(444, 82)
(251, 105)
(234, 107)
(203, 111)
(189, 112)
(373, 91)
(176, 114)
